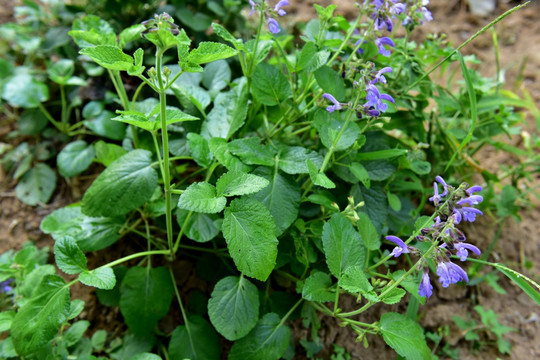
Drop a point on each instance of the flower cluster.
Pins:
(163, 21)
(5, 286)
(453, 206)
(273, 25)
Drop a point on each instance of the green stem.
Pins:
(182, 310)
(49, 117)
(134, 256)
(119, 87)
(136, 95)
(165, 143)
(64, 117)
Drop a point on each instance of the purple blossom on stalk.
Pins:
(273, 26)
(252, 4)
(401, 247)
(397, 9)
(462, 250)
(332, 108)
(374, 99)
(425, 12)
(466, 213)
(450, 273)
(384, 41)
(425, 289)
(5, 286)
(379, 77)
(278, 7)
(471, 200)
(473, 189)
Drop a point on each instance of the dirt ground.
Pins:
(519, 36)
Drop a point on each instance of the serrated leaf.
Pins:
(331, 82)
(219, 148)
(330, 128)
(225, 34)
(393, 297)
(199, 149)
(101, 278)
(61, 71)
(201, 197)
(107, 153)
(368, 232)
(103, 125)
(252, 152)
(354, 280)
(69, 258)
(75, 332)
(270, 86)
(281, 197)
(36, 185)
(198, 342)
(200, 227)
(292, 160)
(235, 183)
(405, 336)
(91, 30)
(110, 57)
(376, 205)
(228, 115)
(263, 49)
(90, 233)
(39, 320)
(74, 158)
(317, 287)
(233, 307)
(216, 76)
(249, 231)
(267, 341)
(317, 177)
(130, 34)
(343, 246)
(145, 297)
(210, 51)
(310, 59)
(124, 186)
(75, 309)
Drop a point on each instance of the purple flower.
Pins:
(425, 12)
(273, 26)
(379, 75)
(252, 4)
(382, 21)
(441, 181)
(473, 189)
(400, 248)
(377, 4)
(466, 213)
(358, 42)
(471, 200)
(450, 273)
(278, 7)
(425, 288)
(384, 41)
(5, 286)
(462, 250)
(332, 108)
(374, 99)
(397, 9)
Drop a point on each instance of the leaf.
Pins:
(522, 283)
(249, 231)
(405, 336)
(292, 160)
(199, 149)
(394, 201)
(201, 197)
(233, 307)
(343, 246)
(110, 57)
(6, 318)
(368, 232)
(379, 170)
(61, 71)
(354, 280)
(107, 153)
(39, 320)
(310, 59)
(101, 278)
(393, 297)
(75, 332)
(91, 30)
(124, 186)
(225, 34)
(90, 233)
(317, 287)
(270, 86)
(104, 125)
(251, 152)
(210, 51)
(196, 341)
(330, 126)
(331, 82)
(200, 227)
(31, 122)
(216, 76)
(36, 185)
(219, 148)
(267, 341)
(146, 356)
(317, 177)
(23, 90)
(360, 172)
(263, 49)
(228, 115)
(281, 197)
(145, 297)
(235, 183)
(375, 204)
(112, 297)
(74, 158)
(130, 34)
(69, 258)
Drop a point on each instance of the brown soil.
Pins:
(519, 36)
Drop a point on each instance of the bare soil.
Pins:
(519, 37)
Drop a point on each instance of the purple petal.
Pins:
(462, 250)
(425, 288)
(273, 26)
(473, 189)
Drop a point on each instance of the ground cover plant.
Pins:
(292, 171)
